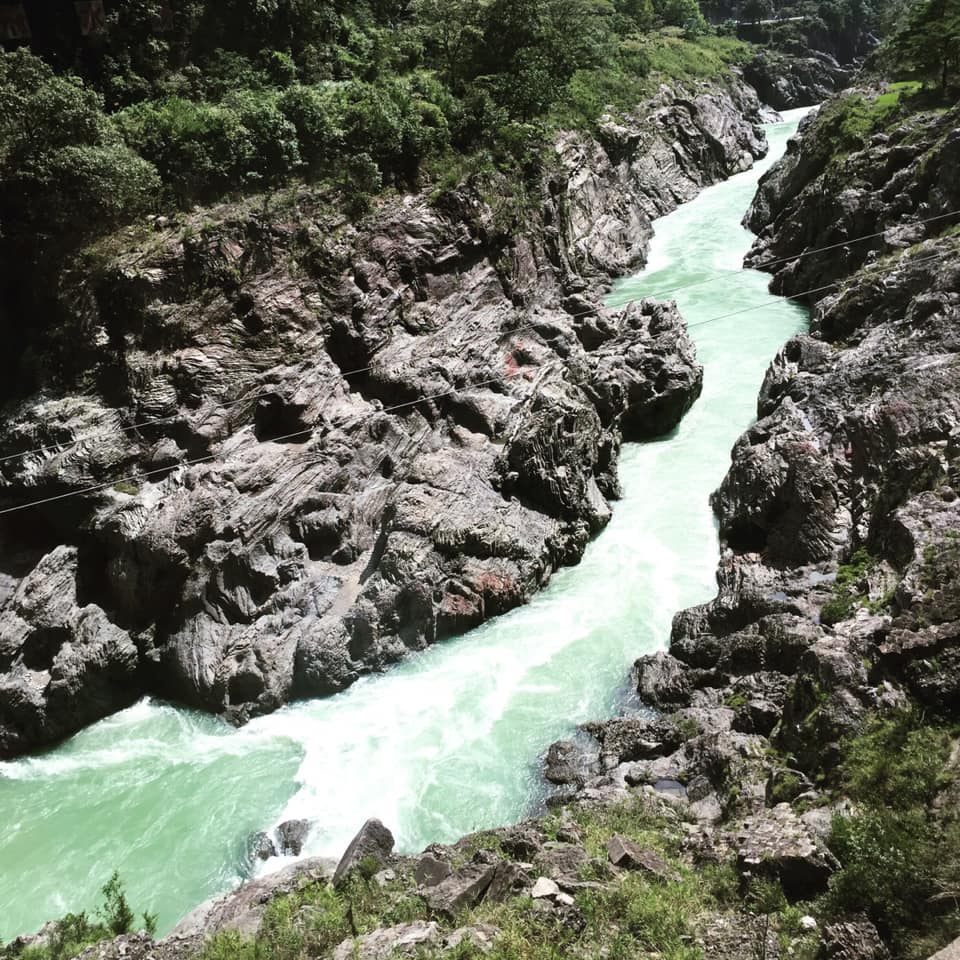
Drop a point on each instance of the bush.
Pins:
(204, 149)
(887, 859)
(64, 171)
(309, 109)
(75, 932)
(897, 762)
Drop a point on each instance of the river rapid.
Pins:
(447, 742)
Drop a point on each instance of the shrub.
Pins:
(64, 172)
(896, 761)
(309, 109)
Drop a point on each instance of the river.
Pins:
(447, 742)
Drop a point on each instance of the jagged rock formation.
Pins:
(839, 584)
(786, 82)
(292, 449)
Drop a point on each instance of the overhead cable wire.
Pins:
(143, 475)
(655, 295)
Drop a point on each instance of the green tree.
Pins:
(929, 41)
(65, 173)
(452, 28)
(116, 912)
(677, 13)
(531, 48)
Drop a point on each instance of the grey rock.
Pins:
(372, 842)
(430, 870)
(242, 910)
(508, 879)
(856, 940)
(480, 936)
(461, 890)
(291, 836)
(544, 888)
(777, 843)
(404, 940)
(260, 847)
(628, 855)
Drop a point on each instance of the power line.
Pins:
(210, 457)
(139, 477)
(658, 294)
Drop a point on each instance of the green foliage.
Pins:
(928, 42)
(887, 858)
(204, 149)
(848, 591)
(897, 760)
(898, 859)
(64, 171)
(76, 931)
(115, 911)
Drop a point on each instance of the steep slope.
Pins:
(839, 585)
(297, 449)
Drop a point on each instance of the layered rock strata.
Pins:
(839, 585)
(278, 450)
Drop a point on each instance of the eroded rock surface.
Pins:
(304, 448)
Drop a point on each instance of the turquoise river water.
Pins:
(448, 741)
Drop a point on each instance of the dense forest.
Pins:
(166, 104)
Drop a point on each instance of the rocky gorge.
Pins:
(837, 588)
(836, 596)
(303, 448)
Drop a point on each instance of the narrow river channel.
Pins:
(448, 741)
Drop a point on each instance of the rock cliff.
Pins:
(277, 450)
(838, 587)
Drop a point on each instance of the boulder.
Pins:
(430, 870)
(260, 847)
(291, 836)
(243, 909)
(778, 844)
(508, 879)
(628, 855)
(856, 939)
(561, 861)
(403, 940)
(544, 888)
(373, 842)
(461, 890)
(949, 952)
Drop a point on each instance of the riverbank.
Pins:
(444, 743)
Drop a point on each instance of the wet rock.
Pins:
(568, 764)
(291, 836)
(373, 842)
(260, 847)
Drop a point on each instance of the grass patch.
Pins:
(848, 593)
(899, 860)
